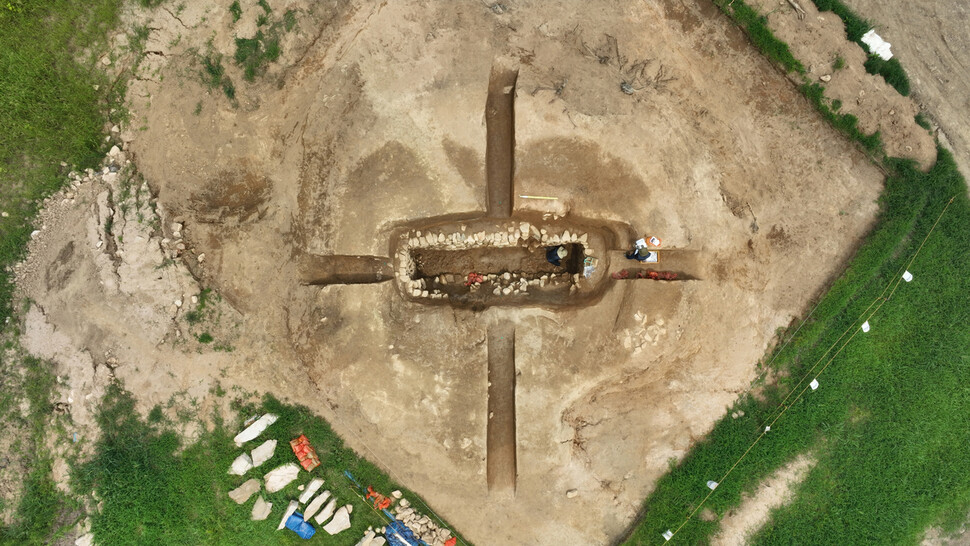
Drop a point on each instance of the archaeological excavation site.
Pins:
(518, 258)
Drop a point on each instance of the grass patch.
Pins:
(253, 54)
(214, 76)
(41, 504)
(235, 10)
(923, 122)
(891, 71)
(855, 27)
(887, 424)
(761, 36)
(158, 491)
(846, 123)
(50, 111)
(839, 63)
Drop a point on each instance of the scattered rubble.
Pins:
(515, 234)
(423, 527)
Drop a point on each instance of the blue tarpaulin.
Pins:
(296, 524)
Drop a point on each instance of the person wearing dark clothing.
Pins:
(555, 255)
(641, 255)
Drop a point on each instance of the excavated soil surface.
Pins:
(520, 260)
(373, 118)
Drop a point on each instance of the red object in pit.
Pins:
(305, 453)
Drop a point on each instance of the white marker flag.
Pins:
(814, 384)
(711, 484)
(668, 534)
(865, 326)
(907, 276)
(768, 428)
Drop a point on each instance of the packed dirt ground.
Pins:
(660, 115)
(931, 40)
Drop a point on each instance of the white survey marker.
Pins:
(877, 45)
(814, 384)
(711, 484)
(907, 276)
(865, 326)
(768, 428)
(668, 534)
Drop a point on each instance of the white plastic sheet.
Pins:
(814, 384)
(865, 326)
(668, 534)
(877, 45)
(711, 484)
(907, 276)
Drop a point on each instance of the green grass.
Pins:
(214, 76)
(235, 10)
(253, 54)
(41, 503)
(855, 27)
(49, 109)
(761, 36)
(846, 123)
(923, 122)
(888, 423)
(158, 491)
(891, 71)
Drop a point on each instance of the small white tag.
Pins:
(768, 428)
(668, 534)
(907, 276)
(711, 484)
(865, 326)
(814, 384)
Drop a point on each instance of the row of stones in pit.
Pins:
(523, 234)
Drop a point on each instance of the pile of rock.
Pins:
(423, 527)
(514, 234)
(522, 234)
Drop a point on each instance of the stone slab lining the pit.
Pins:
(504, 287)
